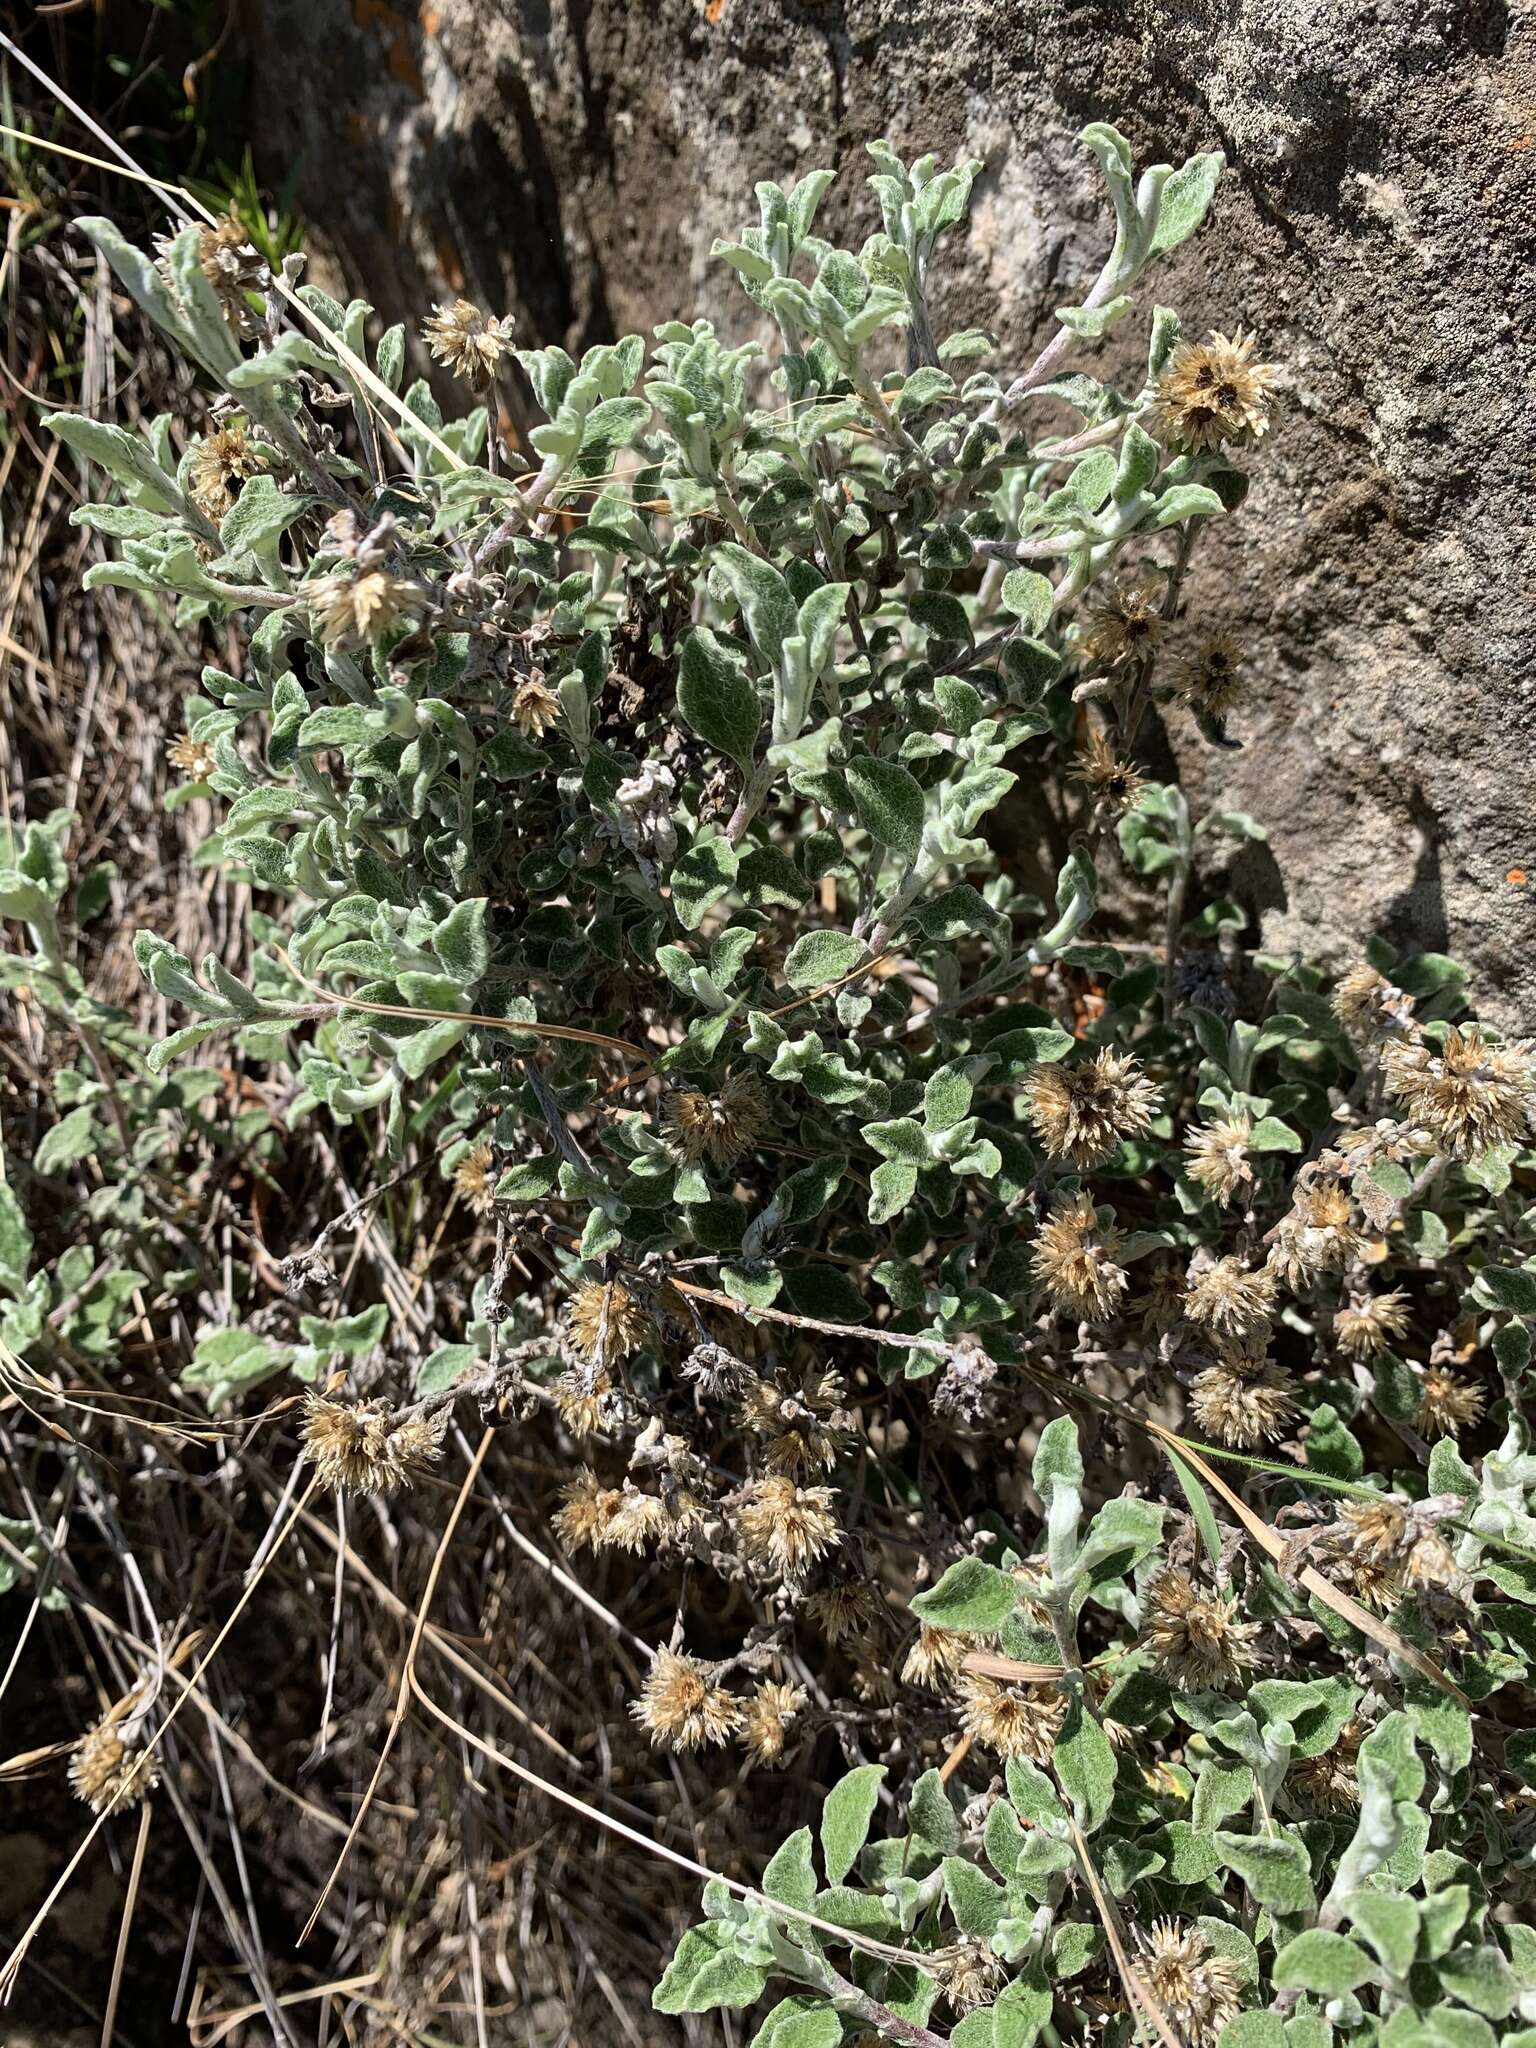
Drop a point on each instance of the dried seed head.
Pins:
(767, 1719)
(605, 1321)
(468, 341)
(474, 1178)
(1329, 1783)
(1469, 1096)
(681, 1707)
(195, 758)
(233, 265)
(1210, 676)
(1125, 625)
(1194, 1637)
(1370, 1323)
(535, 706)
(1376, 1530)
(354, 611)
(1012, 1720)
(1218, 1155)
(367, 1447)
(1197, 1990)
(1082, 1112)
(587, 1516)
(937, 1655)
(785, 1528)
(1213, 392)
(721, 1128)
(1243, 1400)
(220, 462)
(1448, 1404)
(971, 1975)
(107, 1775)
(1319, 1235)
(1074, 1260)
(1108, 777)
(1227, 1298)
(1369, 1007)
(849, 1611)
(585, 1401)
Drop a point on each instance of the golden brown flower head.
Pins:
(1213, 392)
(1376, 1530)
(785, 1528)
(368, 1447)
(1218, 1155)
(606, 1322)
(971, 1975)
(474, 1177)
(1319, 1235)
(1196, 1989)
(1242, 1400)
(681, 1707)
(1227, 1298)
(767, 1720)
(1470, 1096)
(1083, 1111)
(584, 1401)
(1074, 1260)
(587, 1516)
(535, 706)
(468, 341)
(721, 1127)
(1012, 1720)
(806, 1428)
(937, 1655)
(354, 611)
(1371, 1322)
(105, 1774)
(233, 265)
(1329, 1783)
(1448, 1404)
(1108, 777)
(195, 758)
(1125, 625)
(220, 462)
(850, 1610)
(1210, 676)
(1369, 1007)
(1194, 1637)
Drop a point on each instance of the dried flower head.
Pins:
(606, 1322)
(806, 1428)
(1243, 1400)
(1196, 1989)
(1376, 1530)
(584, 1521)
(1012, 1720)
(470, 342)
(767, 1719)
(937, 1655)
(193, 757)
(786, 1528)
(474, 1177)
(720, 1128)
(1074, 1259)
(221, 461)
(1083, 1111)
(1218, 1155)
(1370, 1322)
(1469, 1096)
(681, 1707)
(1195, 1638)
(535, 706)
(1213, 392)
(1227, 1298)
(1108, 777)
(585, 1401)
(1210, 676)
(106, 1774)
(354, 611)
(1369, 1007)
(368, 1447)
(232, 264)
(1162, 1305)
(970, 1974)
(1319, 1235)
(1330, 1782)
(1448, 1404)
(847, 1611)
(1125, 625)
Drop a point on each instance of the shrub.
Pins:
(618, 832)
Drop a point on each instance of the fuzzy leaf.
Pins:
(845, 1817)
(971, 1595)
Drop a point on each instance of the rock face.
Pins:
(571, 161)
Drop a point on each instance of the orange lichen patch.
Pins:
(403, 68)
(1517, 878)
(431, 20)
(713, 11)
